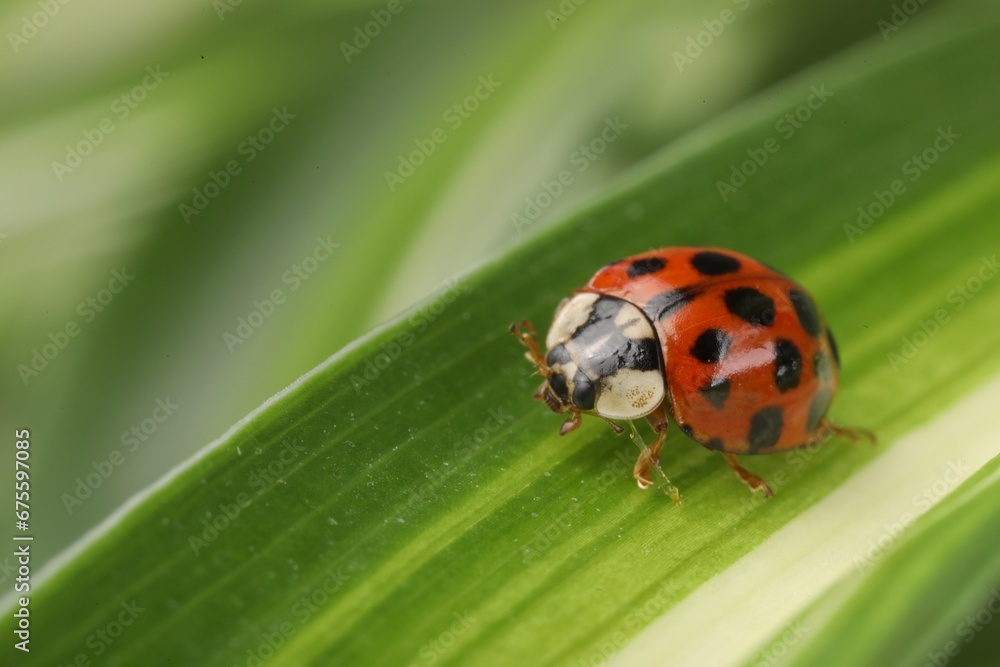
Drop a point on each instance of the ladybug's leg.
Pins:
(650, 456)
(753, 481)
(574, 421)
(525, 332)
(614, 427)
(570, 424)
(827, 429)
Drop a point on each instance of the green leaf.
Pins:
(406, 502)
(324, 177)
(849, 531)
(942, 578)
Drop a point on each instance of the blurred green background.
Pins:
(118, 123)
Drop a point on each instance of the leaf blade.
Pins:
(363, 442)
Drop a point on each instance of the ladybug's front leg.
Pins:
(570, 424)
(650, 457)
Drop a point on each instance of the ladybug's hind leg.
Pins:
(827, 429)
(649, 457)
(753, 481)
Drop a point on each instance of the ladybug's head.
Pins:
(566, 395)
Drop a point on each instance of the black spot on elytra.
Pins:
(711, 263)
(833, 347)
(583, 392)
(667, 303)
(641, 267)
(716, 393)
(711, 346)
(787, 365)
(821, 366)
(716, 444)
(750, 306)
(806, 310)
(765, 428)
(817, 409)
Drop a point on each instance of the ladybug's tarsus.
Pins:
(570, 424)
(755, 482)
(614, 427)
(649, 457)
(855, 434)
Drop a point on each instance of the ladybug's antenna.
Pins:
(526, 334)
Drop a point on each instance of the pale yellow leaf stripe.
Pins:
(725, 621)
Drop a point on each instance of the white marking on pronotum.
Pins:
(571, 314)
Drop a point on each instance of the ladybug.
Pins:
(734, 351)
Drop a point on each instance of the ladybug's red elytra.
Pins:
(735, 352)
